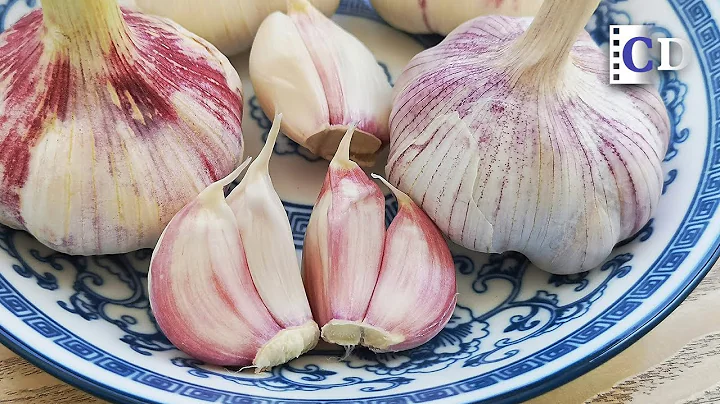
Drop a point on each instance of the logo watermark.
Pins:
(630, 54)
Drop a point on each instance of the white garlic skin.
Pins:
(505, 159)
(322, 79)
(111, 122)
(443, 16)
(230, 25)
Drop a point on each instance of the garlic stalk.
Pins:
(388, 291)
(441, 16)
(323, 79)
(112, 121)
(511, 138)
(230, 25)
(224, 281)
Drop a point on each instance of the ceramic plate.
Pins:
(516, 332)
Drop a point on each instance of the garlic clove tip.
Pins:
(401, 196)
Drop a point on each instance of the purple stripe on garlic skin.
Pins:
(540, 157)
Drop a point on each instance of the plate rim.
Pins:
(530, 390)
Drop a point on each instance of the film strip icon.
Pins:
(623, 52)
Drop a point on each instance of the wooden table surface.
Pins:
(677, 362)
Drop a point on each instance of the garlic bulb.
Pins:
(223, 288)
(112, 121)
(511, 138)
(323, 79)
(228, 24)
(388, 291)
(442, 16)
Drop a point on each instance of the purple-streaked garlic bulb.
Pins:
(443, 16)
(510, 137)
(112, 121)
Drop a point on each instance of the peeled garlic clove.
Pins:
(534, 152)
(265, 230)
(343, 248)
(323, 79)
(228, 24)
(202, 294)
(415, 293)
(441, 16)
(112, 121)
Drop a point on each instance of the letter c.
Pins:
(628, 58)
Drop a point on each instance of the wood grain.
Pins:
(677, 362)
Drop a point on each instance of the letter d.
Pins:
(685, 48)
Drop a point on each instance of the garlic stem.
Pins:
(300, 6)
(99, 20)
(545, 45)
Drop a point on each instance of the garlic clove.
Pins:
(343, 248)
(228, 24)
(112, 121)
(265, 230)
(202, 294)
(556, 164)
(325, 78)
(288, 77)
(415, 293)
(441, 16)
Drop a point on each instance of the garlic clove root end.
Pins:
(362, 149)
(287, 345)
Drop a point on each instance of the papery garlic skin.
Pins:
(442, 16)
(202, 294)
(343, 248)
(265, 230)
(111, 121)
(416, 293)
(323, 79)
(230, 25)
(509, 144)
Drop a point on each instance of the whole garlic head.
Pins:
(510, 137)
(111, 122)
(230, 25)
(442, 16)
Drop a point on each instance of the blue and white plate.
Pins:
(516, 332)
